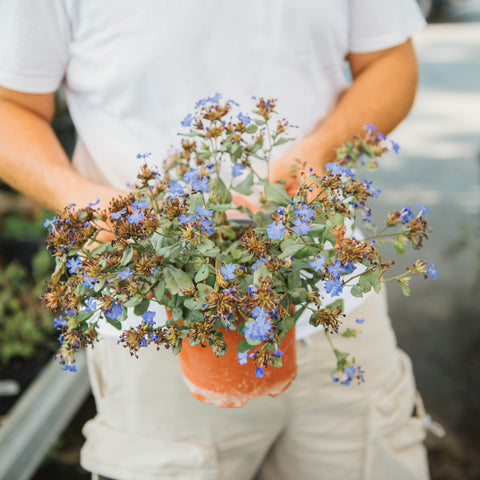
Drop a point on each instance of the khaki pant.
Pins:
(148, 427)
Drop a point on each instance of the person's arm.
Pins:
(382, 93)
(31, 158)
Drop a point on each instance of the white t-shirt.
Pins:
(131, 71)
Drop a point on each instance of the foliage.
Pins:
(25, 327)
(177, 240)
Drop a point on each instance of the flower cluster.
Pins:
(179, 240)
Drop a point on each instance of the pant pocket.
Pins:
(118, 455)
(396, 430)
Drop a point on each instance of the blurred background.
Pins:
(438, 166)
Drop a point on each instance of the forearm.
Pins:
(33, 161)
(382, 93)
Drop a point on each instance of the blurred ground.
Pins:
(439, 324)
(438, 166)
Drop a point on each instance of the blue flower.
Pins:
(405, 214)
(335, 168)
(228, 271)
(259, 372)
(252, 289)
(370, 126)
(318, 263)
(186, 122)
(114, 311)
(59, 322)
(244, 118)
(349, 267)
(69, 368)
(50, 223)
(336, 269)
(207, 226)
(334, 287)
(259, 329)
(242, 357)
(301, 227)
(215, 99)
(89, 282)
(275, 231)
(304, 211)
(200, 184)
(203, 212)
(118, 215)
(395, 146)
(278, 353)
(135, 217)
(125, 274)
(183, 219)
(148, 317)
(73, 264)
(176, 188)
(143, 155)
(258, 262)
(360, 320)
(91, 305)
(432, 271)
(423, 209)
(191, 175)
(93, 204)
(237, 169)
(139, 204)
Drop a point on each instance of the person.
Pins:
(130, 72)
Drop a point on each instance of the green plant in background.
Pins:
(24, 227)
(26, 329)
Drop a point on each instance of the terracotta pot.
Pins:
(222, 381)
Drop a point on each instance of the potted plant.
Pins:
(233, 292)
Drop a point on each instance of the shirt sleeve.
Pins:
(379, 24)
(34, 44)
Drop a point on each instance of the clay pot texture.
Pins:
(222, 381)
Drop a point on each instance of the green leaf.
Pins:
(182, 278)
(252, 128)
(159, 291)
(356, 291)
(205, 245)
(127, 256)
(341, 357)
(116, 323)
(404, 286)
(170, 283)
(219, 190)
(245, 187)
(157, 241)
(101, 248)
(262, 219)
(134, 301)
(399, 244)
(281, 141)
(223, 207)
(243, 346)
(294, 280)
(350, 332)
(193, 303)
(202, 273)
(141, 308)
(276, 193)
(261, 272)
(299, 294)
(290, 247)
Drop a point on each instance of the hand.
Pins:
(307, 154)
